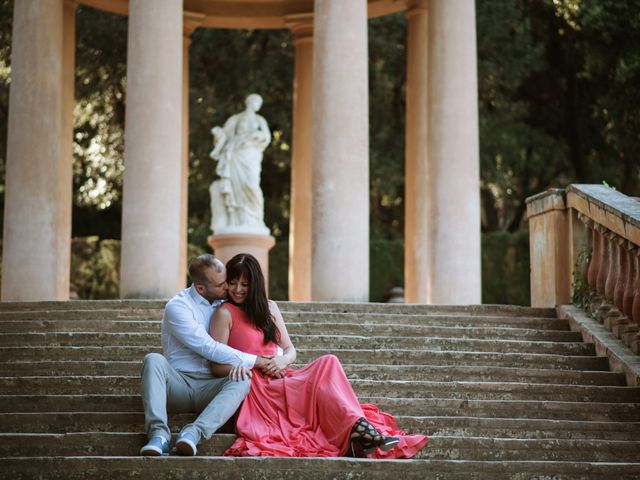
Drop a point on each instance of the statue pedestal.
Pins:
(226, 245)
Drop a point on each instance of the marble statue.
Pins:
(237, 203)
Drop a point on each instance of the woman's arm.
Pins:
(219, 328)
(278, 364)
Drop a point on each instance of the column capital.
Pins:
(301, 26)
(191, 21)
(416, 7)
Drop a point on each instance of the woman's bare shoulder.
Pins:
(223, 312)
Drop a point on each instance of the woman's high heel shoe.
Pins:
(367, 438)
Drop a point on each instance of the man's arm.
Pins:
(180, 323)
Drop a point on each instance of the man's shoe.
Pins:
(186, 445)
(156, 447)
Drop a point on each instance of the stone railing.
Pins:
(585, 247)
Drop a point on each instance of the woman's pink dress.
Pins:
(309, 412)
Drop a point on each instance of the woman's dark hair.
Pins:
(256, 305)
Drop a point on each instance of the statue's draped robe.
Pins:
(246, 135)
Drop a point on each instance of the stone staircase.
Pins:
(503, 392)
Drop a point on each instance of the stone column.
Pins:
(418, 180)
(301, 161)
(152, 192)
(66, 142)
(453, 189)
(37, 215)
(340, 172)
(190, 23)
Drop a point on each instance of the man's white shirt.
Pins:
(186, 342)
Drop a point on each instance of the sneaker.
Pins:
(186, 445)
(156, 447)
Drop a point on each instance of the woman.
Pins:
(300, 413)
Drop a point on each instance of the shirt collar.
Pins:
(200, 299)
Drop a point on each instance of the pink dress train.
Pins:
(309, 412)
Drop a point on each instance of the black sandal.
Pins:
(366, 439)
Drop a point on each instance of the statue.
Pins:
(237, 203)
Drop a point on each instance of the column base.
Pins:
(225, 246)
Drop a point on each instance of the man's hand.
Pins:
(239, 373)
(262, 361)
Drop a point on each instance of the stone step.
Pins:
(510, 408)
(305, 355)
(83, 305)
(93, 443)
(40, 385)
(91, 315)
(259, 468)
(470, 330)
(354, 371)
(139, 306)
(443, 344)
(111, 320)
(439, 447)
(83, 421)
(481, 448)
(417, 407)
(452, 357)
(85, 339)
(523, 428)
(451, 319)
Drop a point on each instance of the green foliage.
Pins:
(558, 97)
(387, 77)
(95, 268)
(100, 88)
(279, 271)
(505, 268)
(518, 157)
(582, 293)
(386, 267)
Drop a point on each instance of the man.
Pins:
(180, 380)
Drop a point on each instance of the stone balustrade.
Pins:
(585, 248)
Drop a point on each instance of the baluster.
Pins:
(594, 264)
(603, 270)
(633, 340)
(614, 268)
(635, 309)
(583, 269)
(598, 303)
(623, 273)
(616, 320)
(633, 275)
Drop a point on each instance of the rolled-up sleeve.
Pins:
(180, 323)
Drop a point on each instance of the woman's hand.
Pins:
(276, 366)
